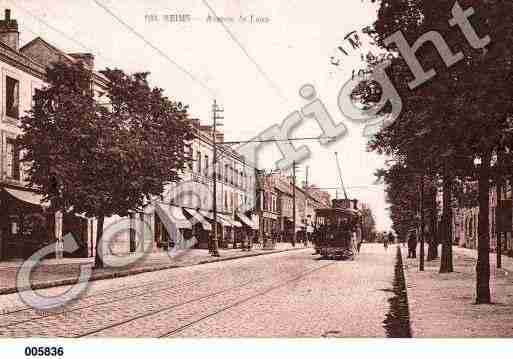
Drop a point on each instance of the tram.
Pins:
(337, 232)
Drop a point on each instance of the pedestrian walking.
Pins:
(412, 245)
(391, 238)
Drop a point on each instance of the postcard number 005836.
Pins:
(44, 351)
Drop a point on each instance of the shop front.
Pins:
(171, 227)
(223, 227)
(25, 224)
(249, 226)
(201, 228)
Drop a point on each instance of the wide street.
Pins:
(290, 294)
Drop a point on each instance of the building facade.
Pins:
(25, 223)
(236, 189)
(465, 222)
(268, 206)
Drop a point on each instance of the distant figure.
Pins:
(412, 245)
(385, 242)
(391, 238)
(309, 233)
(359, 245)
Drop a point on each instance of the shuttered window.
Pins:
(12, 97)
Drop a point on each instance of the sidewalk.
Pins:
(56, 272)
(442, 305)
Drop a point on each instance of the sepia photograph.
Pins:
(255, 176)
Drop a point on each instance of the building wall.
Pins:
(27, 84)
(466, 221)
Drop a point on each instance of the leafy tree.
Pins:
(103, 159)
(402, 189)
(462, 114)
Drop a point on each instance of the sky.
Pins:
(254, 69)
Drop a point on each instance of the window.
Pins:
(12, 97)
(12, 160)
(206, 165)
(226, 173)
(198, 160)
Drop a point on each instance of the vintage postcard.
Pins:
(244, 169)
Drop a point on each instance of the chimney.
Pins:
(86, 58)
(9, 34)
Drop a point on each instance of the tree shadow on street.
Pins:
(397, 321)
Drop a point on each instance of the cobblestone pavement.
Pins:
(288, 294)
(442, 305)
(51, 272)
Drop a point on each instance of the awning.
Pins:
(28, 197)
(220, 219)
(300, 228)
(232, 222)
(196, 215)
(248, 222)
(227, 220)
(172, 216)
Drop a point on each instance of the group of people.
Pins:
(303, 236)
(246, 239)
(412, 245)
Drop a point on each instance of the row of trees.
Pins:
(102, 158)
(452, 129)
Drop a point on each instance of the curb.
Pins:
(397, 322)
(407, 289)
(135, 271)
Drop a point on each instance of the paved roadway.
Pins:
(291, 294)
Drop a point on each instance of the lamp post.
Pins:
(215, 111)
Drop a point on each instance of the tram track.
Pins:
(95, 304)
(96, 294)
(148, 315)
(19, 309)
(127, 313)
(150, 283)
(242, 301)
(145, 315)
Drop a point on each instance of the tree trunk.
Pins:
(483, 243)
(422, 225)
(433, 240)
(133, 243)
(498, 233)
(98, 260)
(446, 265)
